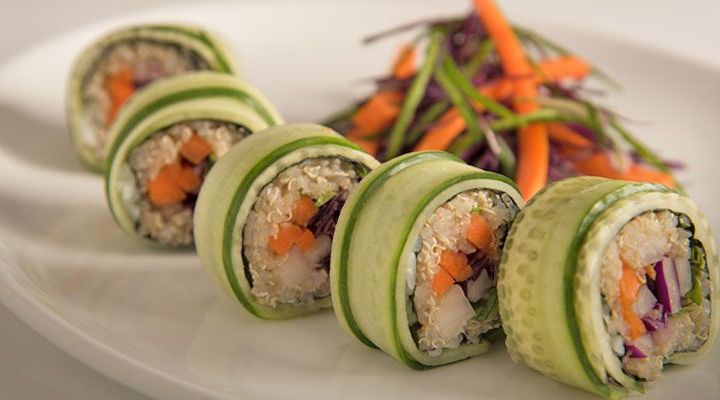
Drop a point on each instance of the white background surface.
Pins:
(31, 367)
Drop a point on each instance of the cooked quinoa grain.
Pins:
(448, 320)
(297, 277)
(641, 248)
(171, 224)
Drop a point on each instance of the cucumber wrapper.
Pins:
(194, 96)
(377, 230)
(232, 188)
(203, 44)
(549, 282)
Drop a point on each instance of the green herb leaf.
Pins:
(477, 60)
(414, 95)
(324, 198)
(442, 76)
(487, 309)
(697, 261)
(427, 117)
(467, 88)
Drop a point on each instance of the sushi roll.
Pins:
(109, 71)
(415, 258)
(164, 142)
(266, 215)
(604, 282)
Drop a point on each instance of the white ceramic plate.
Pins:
(155, 321)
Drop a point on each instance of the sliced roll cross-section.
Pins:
(415, 258)
(108, 72)
(266, 216)
(605, 282)
(164, 142)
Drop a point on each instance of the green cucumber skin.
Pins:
(390, 207)
(204, 44)
(230, 191)
(342, 239)
(541, 290)
(182, 88)
(167, 103)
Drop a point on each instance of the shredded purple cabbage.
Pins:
(323, 223)
(480, 261)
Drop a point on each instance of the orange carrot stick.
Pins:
(533, 146)
(404, 64)
(563, 134)
(600, 164)
(565, 67)
(377, 114)
(440, 136)
(630, 283)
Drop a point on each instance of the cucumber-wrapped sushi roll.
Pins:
(166, 139)
(415, 258)
(109, 71)
(604, 282)
(267, 212)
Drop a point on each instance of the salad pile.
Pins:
(501, 97)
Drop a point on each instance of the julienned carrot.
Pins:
(533, 146)
(196, 149)
(442, 134)
(404, 64)
(163, 189)
(120, 87)
(563, 134)
(532, 159)
(630, 283)
(441, 282)
(499, 90)
(565, 67)
(600, 164)
(304, 210)
(507, 45)
(377, 114)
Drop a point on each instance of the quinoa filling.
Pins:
(167, 171)
(452, 272)
(121, 70)
(656, 292)
(288, 234)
